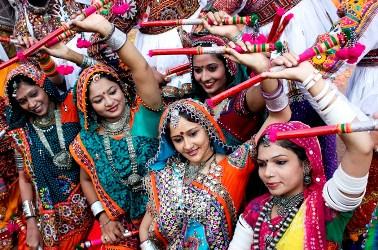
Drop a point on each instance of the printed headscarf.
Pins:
(91, 74)
(315, 236)
(201, 115)
(16, 116)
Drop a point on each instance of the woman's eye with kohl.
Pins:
(197, 70)
(212, 67)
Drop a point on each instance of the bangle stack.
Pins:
(47, 65)
(97, 208)
(87, 62)
(28, 209)
(333, 107)
(116, 39)
(276, 101)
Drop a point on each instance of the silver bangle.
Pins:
(28, 209)
(87, 62)
(97, 208)
(276, 101)
(148, 245)
(237, 37)
(117, 40)
(19, 161)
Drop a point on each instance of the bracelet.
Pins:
(314, 80)
(323, 92)
(310, 77)
(108, 35)
(87, 62)
(237, 37)
(106, 223)
(326, 100)
(116, 40)
(339, 111)
(277, 100)
(148, 245)
(28, 209)
(97, 208)
(19, 161)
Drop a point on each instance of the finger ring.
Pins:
(106, 238)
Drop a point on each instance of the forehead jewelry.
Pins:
(266, 141)
(96, 77)
(14, 85)
(175, 117)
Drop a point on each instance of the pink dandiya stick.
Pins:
(282, 27)
(343, 128)
(196, 21)
(177, 68)
(178, 73)
(276, 22)
(60, 38)
(84, 13)
(212, 102)
(97, 242)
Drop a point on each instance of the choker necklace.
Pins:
(289, 207)
(62, 159)
(192, 171)
(116, 128)
(44, 121)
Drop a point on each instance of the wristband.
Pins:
(97, 208)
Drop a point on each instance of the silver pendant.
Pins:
(63, 160)
(133, 179)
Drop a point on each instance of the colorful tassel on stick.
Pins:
(84, 13)
(306, 55)
(343, 128)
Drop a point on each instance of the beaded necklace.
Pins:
(62, 159)
(287, 207)
(116, 128)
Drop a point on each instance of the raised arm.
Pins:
(350, 179)
(146, 84)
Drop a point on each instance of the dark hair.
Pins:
(197, 89)
(299, 151)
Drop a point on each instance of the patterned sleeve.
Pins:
(20, 28)
(243, 154)
(229, 6)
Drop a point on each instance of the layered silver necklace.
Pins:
(117, 128)
(62, 159)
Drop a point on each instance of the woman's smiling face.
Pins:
(210, 72)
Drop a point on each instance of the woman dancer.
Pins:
(302, 210)
(118, 136)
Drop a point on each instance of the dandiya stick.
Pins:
(97, 242)
(306, 55)
(247, 20)
(276, 22)
(178, 73)
(256, 48)
(84, 13)
(212, 102)
(177, 68)
(343, 128)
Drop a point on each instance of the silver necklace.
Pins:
(134, 179)
(62, 159)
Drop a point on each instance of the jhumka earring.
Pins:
(307, 175)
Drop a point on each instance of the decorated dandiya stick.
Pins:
(306, 55)
(276, 22)
(84, 13)
(61, 37)
(256, 48)
(97, 242)
(342, 128)
(178, 73)
(282, 27)
(212, 102)
(177, 69)
(247, 20)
